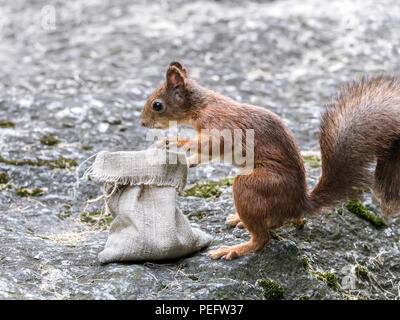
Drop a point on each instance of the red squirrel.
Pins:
(360, 126)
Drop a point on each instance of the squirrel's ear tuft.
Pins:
(175, 78)
(179, 66)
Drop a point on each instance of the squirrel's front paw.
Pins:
(166, 143)
(234, 220)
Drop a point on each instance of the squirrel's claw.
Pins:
(240, 225)
(232, 254)
(226, 253)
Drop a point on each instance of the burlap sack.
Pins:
(147, 223)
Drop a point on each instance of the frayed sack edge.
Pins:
(146, 167)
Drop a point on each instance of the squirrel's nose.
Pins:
(142, 123)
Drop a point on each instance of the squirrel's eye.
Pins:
(157, 106)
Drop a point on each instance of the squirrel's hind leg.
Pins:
(255, 244)
(252, 211)
(259, 238)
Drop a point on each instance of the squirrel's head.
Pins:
(169, 102)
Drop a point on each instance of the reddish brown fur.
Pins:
(363, 123)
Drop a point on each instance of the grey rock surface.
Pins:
(81, 71)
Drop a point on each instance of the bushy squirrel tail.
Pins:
(360, 127)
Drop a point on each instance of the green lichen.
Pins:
(276, 236)
(361, 272)
(97, 218)
(305, 262)
(299, 223)
(312, 161)
(331, 280)
(208, 189)
(197, 215)
(42, 237)
(272, 290)
(59, 163)
(4, 178)
(355, 206)
(25, 192)
(49, 140)
(365, 246)
(30, 229)
(87, 147)
(340, 211)
(115, 122)
(328, 277)
(64, 214)
(193, 277)
(303, 297)
(6, 124)
(203, 191)
(62, 163)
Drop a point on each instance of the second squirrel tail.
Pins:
(360, 127)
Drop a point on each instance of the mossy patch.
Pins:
(355, 206)
(208, 189)
(328, 277)
(59, 163)
(331, 280)
(41, 236)
(313, 161)
(276, 236)
(308, 239)
(25, 192)
(6, 124)
(87, 147)
(49, 140)
(4, 178)
(299, 223)
(272, 290)
(96, 217)
(196, 215)
(64, 214)
(62, 163)
(306, 264)
(115, 122)
(361, 272)
(203, 190)
(30, 229)
(303, 297)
